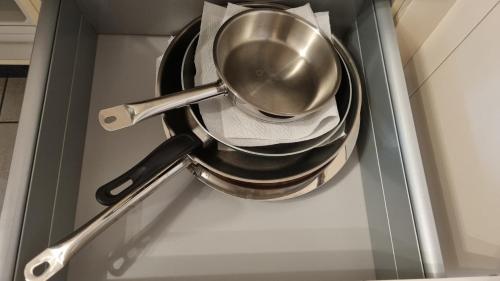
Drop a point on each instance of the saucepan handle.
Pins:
(126, 115)
(165, 161)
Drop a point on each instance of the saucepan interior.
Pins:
(276, 61)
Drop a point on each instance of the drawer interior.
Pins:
(359, 226)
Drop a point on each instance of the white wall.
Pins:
(453, 78)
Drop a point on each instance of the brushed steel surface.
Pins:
(276, 62)
(275, 65)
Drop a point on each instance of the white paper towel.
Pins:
(224, 119)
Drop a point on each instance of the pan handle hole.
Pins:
(117, 190)
(117, 264)
(40, 268)
(109, 119)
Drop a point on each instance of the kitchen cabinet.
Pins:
(18, 20)
(455, 113)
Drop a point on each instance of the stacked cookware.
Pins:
(268, 172)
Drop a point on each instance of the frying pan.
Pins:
(51, 260)
(273, 65)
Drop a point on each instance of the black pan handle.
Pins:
(162, 156)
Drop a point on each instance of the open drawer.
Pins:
(372, 221)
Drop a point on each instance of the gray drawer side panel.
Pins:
(20, 172)
(407, 260)
(376, 211)
(50, 208)
(74, 139)
(417, 184)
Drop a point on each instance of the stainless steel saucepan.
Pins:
(274, 65)
(343, 103)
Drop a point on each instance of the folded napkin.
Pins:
(224, 119)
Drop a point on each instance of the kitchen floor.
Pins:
(11, 98)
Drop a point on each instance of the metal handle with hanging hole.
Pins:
(126, 115)
(53, 259)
